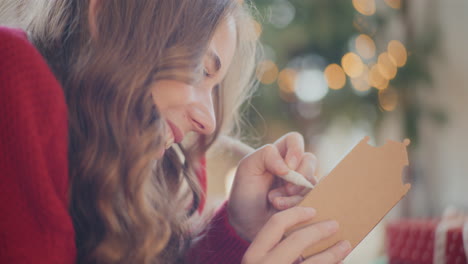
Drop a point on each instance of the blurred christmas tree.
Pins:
(325, 59)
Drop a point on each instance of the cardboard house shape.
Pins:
(358, 192)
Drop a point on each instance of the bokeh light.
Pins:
(365, 7)
(397, 51)
(282, 13)
(388, 99)
(361, 83)
(287, 80)
(352, 64)
(386, 66)
(376, 79)
(267, 71)
(396, 4)
(311, 85)
(335, 76)
(365, 46)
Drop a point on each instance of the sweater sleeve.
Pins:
(220, 243)
(35, 226)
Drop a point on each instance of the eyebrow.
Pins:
(217, 61)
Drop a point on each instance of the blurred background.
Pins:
(336, 71)
(339, 70)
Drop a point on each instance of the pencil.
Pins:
(297, 178)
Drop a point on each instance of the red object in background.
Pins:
(412, 241)
(454, 251)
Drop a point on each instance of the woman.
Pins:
(138, 78)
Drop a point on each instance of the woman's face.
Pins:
(189, 108)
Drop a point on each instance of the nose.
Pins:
(202, 115)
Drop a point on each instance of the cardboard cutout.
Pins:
(358, 192)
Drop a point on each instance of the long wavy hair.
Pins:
(126, 206)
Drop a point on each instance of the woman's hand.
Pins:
(257, 193)
(268, 246)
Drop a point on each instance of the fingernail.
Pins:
(332, 225)
(345, 246)
(292, 163)
(310, 211)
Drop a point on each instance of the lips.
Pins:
(178, 135)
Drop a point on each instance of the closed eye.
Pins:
(213, 65)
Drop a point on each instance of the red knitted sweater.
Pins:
(35, 226)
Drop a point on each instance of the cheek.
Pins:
(171, 94)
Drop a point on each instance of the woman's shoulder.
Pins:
(20, 60)
(30, 92)
(23, 70)
(11, 34)
(14, 43)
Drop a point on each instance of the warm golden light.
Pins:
(396, 4)
(397, 51)
(387, 66)
(287, 80)
(365, 7)
(388, 99)
(267, 71)
(352, 64)
(335, 76)
(258, 28)
(376, 79)
(361, 83)
(365, 46)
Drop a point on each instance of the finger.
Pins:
(276, 198)
(267, 158)
(293, 246)
(273, 231)
(273, 162)
(308, 167)
(286, 189)
(291, 147)
(334, 254)
(286, 202)
(298, 260)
